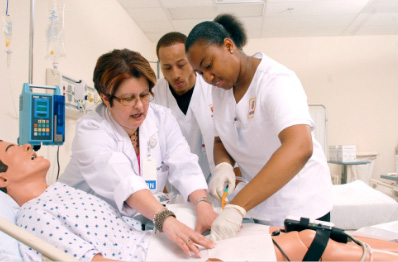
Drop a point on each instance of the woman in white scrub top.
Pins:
(127, 149)
(262, 122)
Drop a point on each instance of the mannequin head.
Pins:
(22, 172)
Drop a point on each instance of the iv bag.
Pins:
(55, 31)
(7, 30)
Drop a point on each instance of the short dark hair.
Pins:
(170, 39)
(3, 169)
(214, 32)
(118, 65)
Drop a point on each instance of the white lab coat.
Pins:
(197, 124)
(104, 161)
(249, 131)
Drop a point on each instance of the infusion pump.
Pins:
(41, 116)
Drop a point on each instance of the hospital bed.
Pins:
(357, 205)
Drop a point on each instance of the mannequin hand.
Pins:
(228, 223)
(223, 173)
(184, 237)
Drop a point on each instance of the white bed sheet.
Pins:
(357, 205)
(386, 231)
(252, 243)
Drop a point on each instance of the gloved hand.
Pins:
(223, 173)
(228, 223)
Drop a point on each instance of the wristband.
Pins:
(239, 178)
(202, 199)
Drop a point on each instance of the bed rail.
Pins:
(387, 188)
(47, 250)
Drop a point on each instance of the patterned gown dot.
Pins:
(81, 225)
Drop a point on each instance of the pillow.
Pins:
(9, 250)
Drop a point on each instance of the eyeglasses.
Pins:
(132, 100)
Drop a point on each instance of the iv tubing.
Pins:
(7, 8)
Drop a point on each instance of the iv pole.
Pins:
(32, 3)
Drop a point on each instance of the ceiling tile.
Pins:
(154, 37)
(300, 31)
(377, 19)
(242, 10)
(252, 22)
(156, 26)
(186, 3)
(238, 2)
(377, 30)
(275, 18)
(185, 13)
(374, 22)
(147, 14)
(139, 3)
(309, 21)
(382, 6)
(185, 26)
(210, 12)
(294, 8)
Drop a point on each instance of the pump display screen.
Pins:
(41, 118)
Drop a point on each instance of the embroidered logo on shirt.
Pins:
(212, 111)
(252, 107)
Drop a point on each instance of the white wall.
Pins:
(356, 77)
(92, 27)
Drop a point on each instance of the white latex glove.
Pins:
(228, 223)
(223, 173)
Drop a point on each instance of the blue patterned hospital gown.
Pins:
(82, 225)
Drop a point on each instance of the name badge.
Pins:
(149, 173)
(252, 107)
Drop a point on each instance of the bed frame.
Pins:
(388, 189)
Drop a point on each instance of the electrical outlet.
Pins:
(53, 77)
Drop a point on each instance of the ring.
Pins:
(188, 241)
